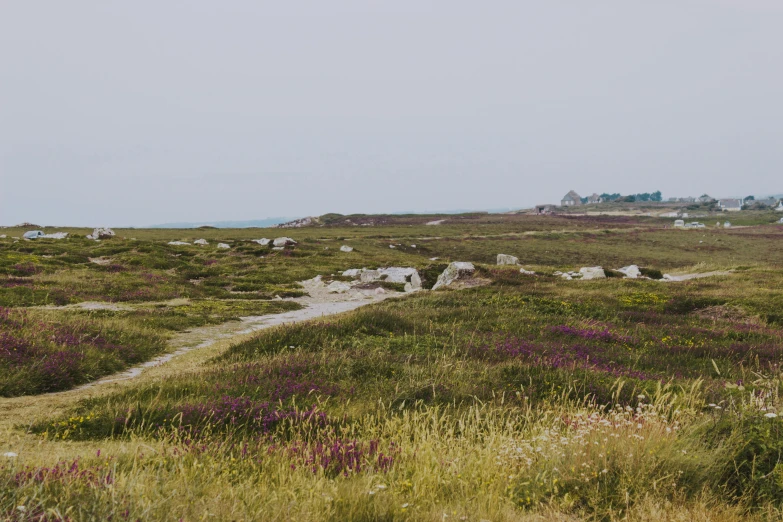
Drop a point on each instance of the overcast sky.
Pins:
(150, 111)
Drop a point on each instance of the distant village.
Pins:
(573, 199)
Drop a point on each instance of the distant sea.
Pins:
(251, 223)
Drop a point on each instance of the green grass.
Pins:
(531, 396)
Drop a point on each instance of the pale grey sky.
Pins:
(142, 112)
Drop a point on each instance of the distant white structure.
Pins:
(679, 223)
(571, 199)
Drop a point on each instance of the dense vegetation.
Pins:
(530, 395)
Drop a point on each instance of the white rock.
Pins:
(33, 234)
(316, 282)
(415, 280)
(3, 236)
(178, 243)
(102, 233)
(413, 246)
(368, 276)
(56, 235)
(346, 248)
(354, 272)
(392, 274)
(338, 287)
(263, 241)
(392, 246)
(379, 291)
(592, 272)
(433, 223)
(566, 276)
(223, 245)
(456, 270)
(278, 248)
(505, 259)
(526, 272)
(201, 242)
(283, 242)
(557, 273)
(631, 271)
(10, 455)
(434, 258)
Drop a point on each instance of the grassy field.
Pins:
(528, 397)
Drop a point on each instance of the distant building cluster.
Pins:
(573, 199)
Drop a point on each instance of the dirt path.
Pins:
(688, 277)
(188, 353)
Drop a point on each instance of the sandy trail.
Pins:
(689, 277)
(187, 352)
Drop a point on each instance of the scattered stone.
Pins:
(379, 291)
(102, 261)
(434, 258)
(178, 243)
(283, 242)
(505, 259)
(263, 241)
(413, 246)
(354, 272)
(10, 455)
(201, 242)
(278, 248)
(727, 224)
(437, 222)
(3, 236)
(346, 248)
(338, 287)
(223, 245)
(631, 271)
(103, 233)
(456, 270)
(392, 246)
(56, 235)
(526, 272)
(592, 272)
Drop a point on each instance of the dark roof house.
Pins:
(730, 205)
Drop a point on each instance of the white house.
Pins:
(571, 199)
(730, 205)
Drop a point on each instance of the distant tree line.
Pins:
(632, 198)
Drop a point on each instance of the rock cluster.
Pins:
(455, 271)
(102, 233)
(585, 273)
(346, 248)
